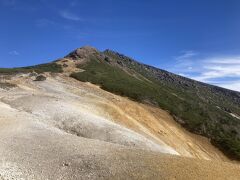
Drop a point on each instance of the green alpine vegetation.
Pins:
(201, 108)
(48, 67)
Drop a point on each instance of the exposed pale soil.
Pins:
(64, 129)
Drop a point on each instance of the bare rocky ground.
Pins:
(64, 129)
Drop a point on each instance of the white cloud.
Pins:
(186, 54)
(70, 16)
(222, 71)
(233, 85)
(221, 67)
(14, 53)
(226, 60)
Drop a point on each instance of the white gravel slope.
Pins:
(56, 129)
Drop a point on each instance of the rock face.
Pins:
(40, 78)
(168, 77)
(33, 74)
(83, 52)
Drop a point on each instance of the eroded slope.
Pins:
(201, 108)
(63, 128)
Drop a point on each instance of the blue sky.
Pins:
(195, 38)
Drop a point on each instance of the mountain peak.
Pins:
(82, 52)
(88, 48)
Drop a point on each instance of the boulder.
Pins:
(40, 78)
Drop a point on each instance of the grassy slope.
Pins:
(195, 113)
(49, 67)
